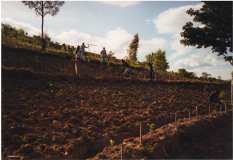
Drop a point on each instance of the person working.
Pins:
(103, 54)
(82, 52)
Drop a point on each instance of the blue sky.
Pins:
(113, 24)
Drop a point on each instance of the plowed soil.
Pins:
(204, 137)
(56, 118)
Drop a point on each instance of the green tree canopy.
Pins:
(215, 29)
(205, 75)
(158, 60)
(133, 47)
(184, 73)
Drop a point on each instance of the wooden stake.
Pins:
(175, 116)
(122, 151)
(76, 69)
(140, 128)
(232, 89)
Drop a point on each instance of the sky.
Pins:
(112, 24)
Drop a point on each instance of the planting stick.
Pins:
(175, 116)
(231, 89)
(140, 128)
(76, 69)
(122, 151)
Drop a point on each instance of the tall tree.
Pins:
(43, 8)
(205, 75)
(184, 73)
(215, 29)
(133, 47)
(158, 60)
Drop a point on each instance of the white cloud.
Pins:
(151, 45)
(25, 26)
(122, 4)
(197, 59)
(172, 20)
(201, 60)
(116, 40)
(178, 49)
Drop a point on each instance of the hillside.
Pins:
(207, 137)
(119, 80)
(53, 63)
(51, 116)
(48, 113)
(63, 64)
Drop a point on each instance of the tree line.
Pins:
(160, 64)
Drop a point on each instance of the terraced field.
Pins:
(206, 137)
(52, 118)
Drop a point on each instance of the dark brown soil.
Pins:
(208, 137)
(55, 117)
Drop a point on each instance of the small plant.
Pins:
(214, 111)
(112, 142)
(222, 94)
(149, 148)
(151, 126)
(51, 86)
(51, 90)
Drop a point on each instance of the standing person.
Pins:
(127, 71)
(215, 99)
(77, 53)
(124, 63)
(76, 60)
(103, 54)
(152, 76)
(82, 52)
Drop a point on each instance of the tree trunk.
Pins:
(42, 27)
